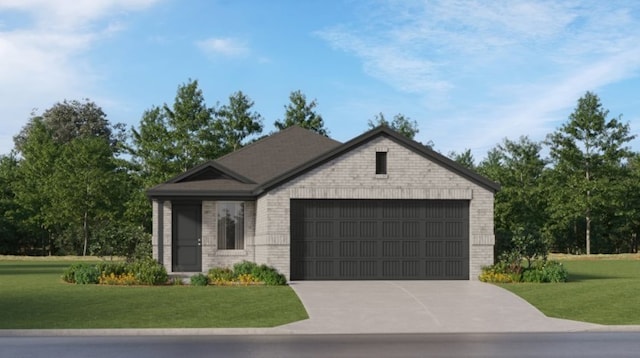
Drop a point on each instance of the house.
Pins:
(379, 206)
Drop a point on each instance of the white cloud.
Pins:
(495, 68)
(71, 15)
(227, 47)
(41, 53)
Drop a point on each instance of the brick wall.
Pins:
(352, 176)
(211, 256)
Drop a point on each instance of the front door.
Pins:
(187, 237)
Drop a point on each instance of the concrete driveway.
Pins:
(418, 307)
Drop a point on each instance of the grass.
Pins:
(601, 289)
(32, 295)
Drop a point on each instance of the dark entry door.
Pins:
(187, 236)
(379, 240)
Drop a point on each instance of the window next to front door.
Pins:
(230, 225)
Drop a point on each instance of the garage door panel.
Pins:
(302, 249)
(349, 269)
(368, 248)
(445, 249)
(357, 270)
(349, 248)
(324, 209)
(434, 229)
(324, 229)
(434, 248)
(349, 229)
(433, 211)
(324, 248)
(391, 248)
(379, 239)
(453, 229)
(391, 229)
(391, 269)
(453, 211)
(411, 249)
(368, 229)
(434, 268)
(324, 269)
(453, 249)
(412, 229)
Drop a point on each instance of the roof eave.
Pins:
(173, 193)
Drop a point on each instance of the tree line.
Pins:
(75, 182)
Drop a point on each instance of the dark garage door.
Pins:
(379, 240)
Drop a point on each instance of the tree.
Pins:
(11, 239)
(171, 140)
(400, 123)
(464, 158)
(67, 120)
(624, 223)
(84, 188)
(37, 152)
(587, 153)
(235, 122)
(67, 158)
(299, 112)
(520, 207)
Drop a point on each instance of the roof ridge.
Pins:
(265, 138)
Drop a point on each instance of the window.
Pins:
(230, 225)
(381, 162)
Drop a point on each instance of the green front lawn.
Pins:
(32, 295)
(603, 291)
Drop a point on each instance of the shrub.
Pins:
(116, 268)
(541, 271)
(176, 281)
(244, 268)
(554, 271)
(269, 275)
(247, 279)
(149, 272)
(533, 275)
(86, 274)
(126, 279)
(69, 274)
(221, 274)
(199, 280)
(246, 273)
(498, 273)
(538, 271)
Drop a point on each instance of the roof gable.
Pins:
(209, 171)
(398, 138)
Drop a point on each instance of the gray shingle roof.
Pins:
(278, 153)
(242, 172)
(278, 158)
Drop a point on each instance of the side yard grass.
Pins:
(601, 290)
(32, 295)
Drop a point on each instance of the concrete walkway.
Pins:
(419, 307)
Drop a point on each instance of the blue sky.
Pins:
(469, 72)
